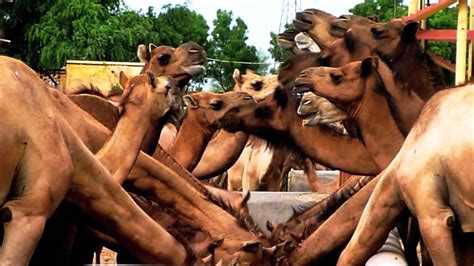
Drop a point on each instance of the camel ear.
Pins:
(190, 101)
(251, 246)
(151, 79)
(237, 77)
(143, 53)
(367, 66)
(270, 226)
(409, 31)
(123, 79)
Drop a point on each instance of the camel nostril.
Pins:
(247, 98)
(193, 50)
(306, 102)
(303, 74)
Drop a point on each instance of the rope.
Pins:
(235, 62)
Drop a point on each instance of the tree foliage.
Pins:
(228, 42)
(385, 10)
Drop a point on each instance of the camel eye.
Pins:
(164, 59)
(377, 33)
(216, 105)
(336, 78)
(257, 85)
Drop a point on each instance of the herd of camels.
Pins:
(131, 172)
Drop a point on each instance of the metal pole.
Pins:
(471, 27)
(461, 43)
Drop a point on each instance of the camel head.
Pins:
(261, 118)
(317, 24)
(318, 110)
(209, 107)
(259, 87)
(393, 38)
(342, 86)
(293, 65)
(147, 91)
(181, 63)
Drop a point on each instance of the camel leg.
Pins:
(42, 183)
(436, 220)
(378, 218)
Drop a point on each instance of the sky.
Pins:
(261, 16)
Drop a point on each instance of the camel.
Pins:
(275, 119)
(181, 64)
(433, 182)
(204, 109)
(184, 193)
(318, 110)
(106, 201)
(357, 89)
(316, 23)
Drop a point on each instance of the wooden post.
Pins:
(461, 43)
(471, 27)
(413, 6)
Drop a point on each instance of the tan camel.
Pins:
(433, 181)
(359, 89)
(183, 193)
(181, 64)
(318, 110)
(104, 200)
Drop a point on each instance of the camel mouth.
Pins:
(302, 21)
(302, 85)
(194, 70)
(286, 39)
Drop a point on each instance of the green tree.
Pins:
(178, 24)
(228, 42)
(385, 10)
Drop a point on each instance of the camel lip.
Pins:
(194, 70)
(302, 85)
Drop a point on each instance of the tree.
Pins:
(385, 10)
(178, 24)
(228, 42)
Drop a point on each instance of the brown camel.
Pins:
(433, 181)
(275, 119)
(357, 89)
(229, 146)
(204, 109)
(104, 200)
(317, 24)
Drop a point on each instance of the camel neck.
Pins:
(190, 142)
(380, 133)
(120, 152)
(329, 148)
(417, 77)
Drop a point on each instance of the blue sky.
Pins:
(261, 16)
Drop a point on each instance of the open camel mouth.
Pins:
(302, 85)
(302, 21)
(286, 39)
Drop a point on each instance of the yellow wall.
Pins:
(103, 75)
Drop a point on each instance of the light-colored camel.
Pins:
(167, 183)
(102, 199)
(181, 64)
(434, 182)
(359, 89)
(318, 110)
